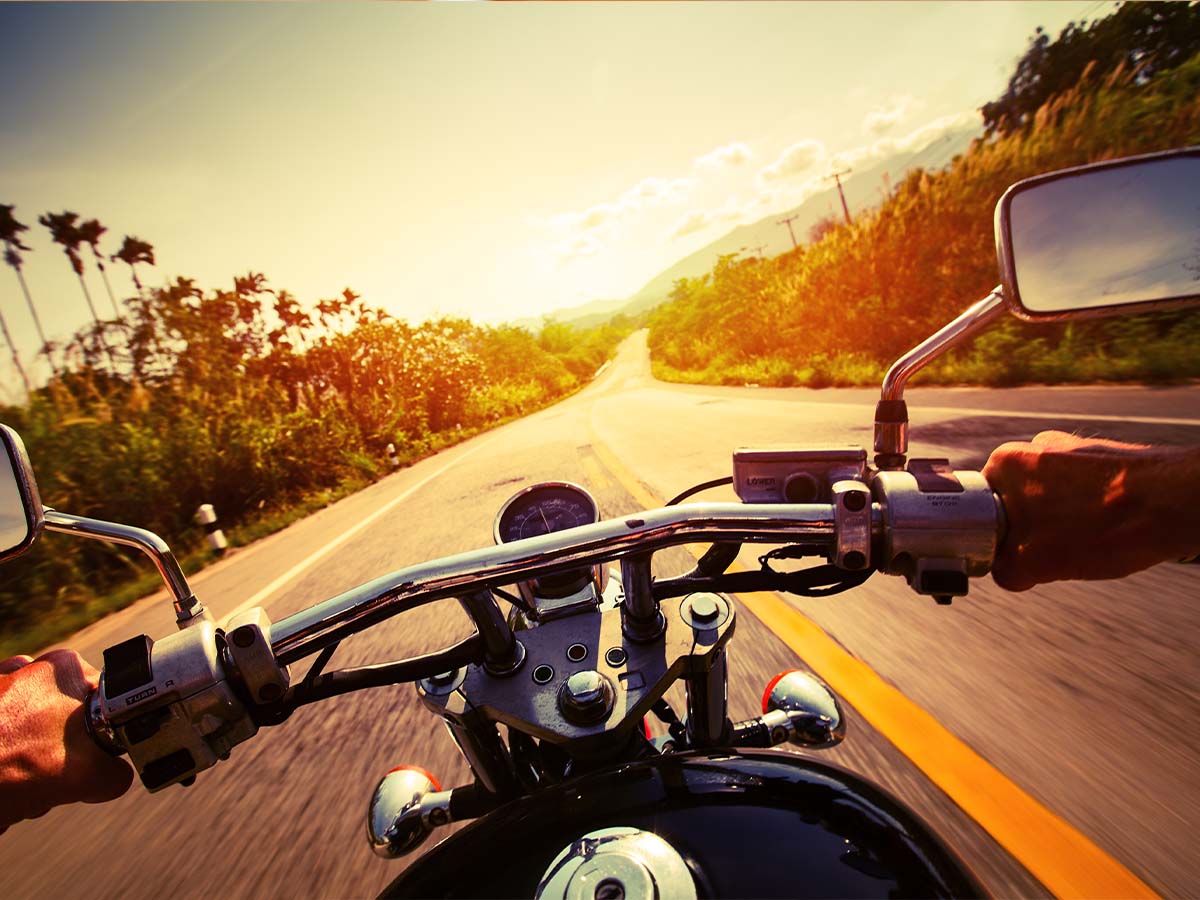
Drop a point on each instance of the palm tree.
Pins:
(133, 251)
(10, 236)
(16, 359)
(90, 233)
(65, 232)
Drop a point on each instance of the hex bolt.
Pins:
(704, 607)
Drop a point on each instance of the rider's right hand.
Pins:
(47, 758)
(1087, 508)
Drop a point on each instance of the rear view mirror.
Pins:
(1106, 239)
(21, 514)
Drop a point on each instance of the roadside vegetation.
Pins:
(839, 309)
(243, 399)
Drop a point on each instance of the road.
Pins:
(1085, 696)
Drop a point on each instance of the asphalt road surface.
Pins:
(1084, 695)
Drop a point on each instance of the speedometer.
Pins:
(542, 509)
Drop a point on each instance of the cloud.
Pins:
(795, 160)
(885, 118)
(730, 155)
(599, 215)
(649, 191)
(577, 248)
(696, 220)
(911, 142)
(657, 190)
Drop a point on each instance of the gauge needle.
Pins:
(542, 513)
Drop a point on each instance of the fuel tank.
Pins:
(747, 824)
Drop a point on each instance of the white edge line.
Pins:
(299, 568)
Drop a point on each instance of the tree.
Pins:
(64, 231)
(90, 233)
(10, 236)
(1148, 38)
(823, 226)
(133, 251)
(15, 357)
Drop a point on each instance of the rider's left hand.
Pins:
(47, 758)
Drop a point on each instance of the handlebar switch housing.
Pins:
(169, 704)
(941, 526)
(794, 475)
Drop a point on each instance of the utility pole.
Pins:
(837, 176)
(758, 250)
(788, 222)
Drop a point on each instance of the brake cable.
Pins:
(817, 581)
(696, 489)
(344, 681)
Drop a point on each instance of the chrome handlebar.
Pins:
(310, 630)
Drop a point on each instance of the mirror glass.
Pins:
(1110, 236)
(15, 526)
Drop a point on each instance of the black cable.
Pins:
(516, 601)
(819, 581)
(356, 679)
(319, 666)
(718, 482)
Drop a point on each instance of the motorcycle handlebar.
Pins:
(309, 630)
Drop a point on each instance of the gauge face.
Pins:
(542, 509)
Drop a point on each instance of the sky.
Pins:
(495, 161)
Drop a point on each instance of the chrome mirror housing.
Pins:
(1112, 238)
(21, 515)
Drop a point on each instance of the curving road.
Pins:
(1085, 696)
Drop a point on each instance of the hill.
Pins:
(863, 191)
(585, 315)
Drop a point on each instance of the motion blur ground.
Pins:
(1084, 694)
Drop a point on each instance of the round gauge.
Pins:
(544, 508)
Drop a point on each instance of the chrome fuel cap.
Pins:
(585, 698)
(618, 864)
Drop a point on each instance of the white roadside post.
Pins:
(207, 517)
(392, 457)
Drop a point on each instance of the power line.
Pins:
(788, 222)
(837, 176)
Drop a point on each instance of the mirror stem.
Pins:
(187, 608)
(891, 413)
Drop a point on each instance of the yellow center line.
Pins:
(1054, 851)
(595, 472)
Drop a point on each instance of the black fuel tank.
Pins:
(749, 824)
